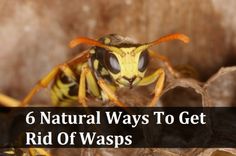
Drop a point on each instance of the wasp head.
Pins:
(127, 63)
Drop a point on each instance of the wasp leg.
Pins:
(92, 83)
(166, 61)
(111, 94)
(38, 151)
(87, 76)
(44, 82)
(82, 87)
(8, 101)
(158, 75)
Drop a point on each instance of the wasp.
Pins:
(112, 62)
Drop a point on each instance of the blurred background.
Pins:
(35, 35)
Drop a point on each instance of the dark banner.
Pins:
(112, 127)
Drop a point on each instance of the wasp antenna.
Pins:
(73, 43)
(92, 42)
(176, 36)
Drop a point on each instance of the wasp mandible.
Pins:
(112, 62)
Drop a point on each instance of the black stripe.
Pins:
(73, 90)
(99, 68)
(65, 79)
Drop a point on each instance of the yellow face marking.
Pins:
(129, 66)
(128, 51)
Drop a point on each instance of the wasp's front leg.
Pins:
(159, 76)
(110, 93)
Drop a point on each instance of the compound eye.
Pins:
(143, 61)
(112, 63)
